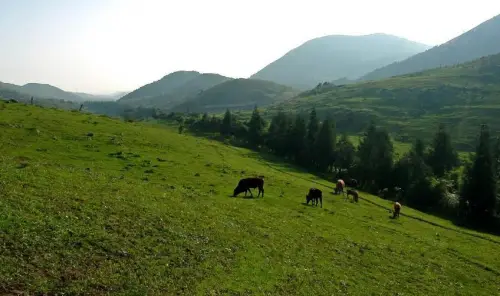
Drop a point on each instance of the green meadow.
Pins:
(91, 205)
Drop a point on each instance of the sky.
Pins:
(103, 46)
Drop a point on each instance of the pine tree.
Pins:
(214, 124)
(442, 157)
(480, 184)
(256, 127)
(297, 141)
(413, 176)
(496, 157)
(324, 146)
(226, 127)
(312, 132)
(345, 153)
(375, 158)
(277, 134)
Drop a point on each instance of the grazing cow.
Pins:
(340, 186)
(354, 193)
(314, 195)
(353, 183)
(397, 210)
(246, 184)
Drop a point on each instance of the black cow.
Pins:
(314, 195)
(245, 184)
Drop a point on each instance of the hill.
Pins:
(101, 97)
(8, 92)
(42, 91)
(237, 94)
(140, 209)
(480, 41)
(172, 89)
(334, 57)
(462, 97)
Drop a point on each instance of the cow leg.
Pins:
(250, 192)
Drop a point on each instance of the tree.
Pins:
(297, 141)
(256, 127)
(278, 134)
(442, 157)
(345, 153)
(227, 124)
(413, 176)
(375, 158)
(480, 184)
(496, 157)
(324, 146)
(312, 131)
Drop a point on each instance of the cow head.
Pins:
(238, 190)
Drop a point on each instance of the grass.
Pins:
(137, 209)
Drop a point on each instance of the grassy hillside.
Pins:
(138, 209)
(237, 94)
(334, 57)
(172, 89)
(480, 41)
(462, 97)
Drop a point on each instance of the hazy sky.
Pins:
(113, 45)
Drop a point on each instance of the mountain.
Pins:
(41, 91)
(48, 91)
(239, 94)
(462, 97)
(337, 56)
(172, 88)
(101, 97)
(480, 41)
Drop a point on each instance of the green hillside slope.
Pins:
(237, 94)
(480, 41)
(172, 89)
(338, 56)
(136, 209)
(462, 97)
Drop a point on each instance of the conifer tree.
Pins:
(256, 127)
(226, 125)
(442, 157)
(325, 146)
(312, 132)
(375, 158)
(297, 141)
(480, 184)
(345, 153)
(277, 134)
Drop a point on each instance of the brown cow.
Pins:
(354, 193)
(340, 186)
(397, 210)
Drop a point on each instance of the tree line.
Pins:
(427, 177)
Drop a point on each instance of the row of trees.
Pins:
(428, 176)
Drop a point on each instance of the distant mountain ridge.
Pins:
(237, 94)
(172, 89)
(483, 40)
(336, 57)
(462, 96)
(47, 91)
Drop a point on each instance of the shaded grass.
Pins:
(140, 209)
